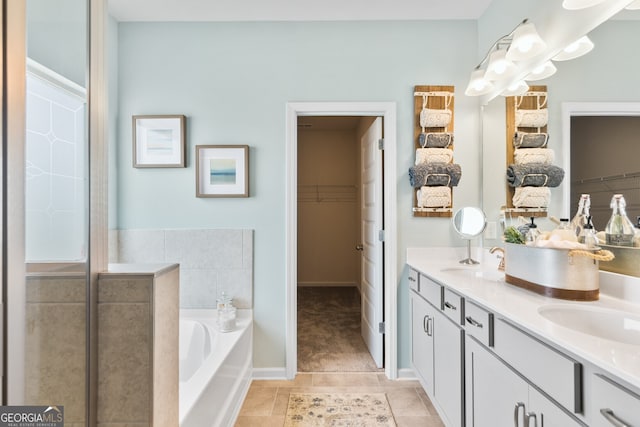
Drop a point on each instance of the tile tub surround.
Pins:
(138, 317)
(211, 261)
(521, 307)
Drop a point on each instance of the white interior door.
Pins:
(372, 261)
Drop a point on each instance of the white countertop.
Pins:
(521, 306)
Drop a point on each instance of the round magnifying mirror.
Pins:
(469, 222)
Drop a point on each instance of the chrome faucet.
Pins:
(498, 249)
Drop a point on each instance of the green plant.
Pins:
(512, 235)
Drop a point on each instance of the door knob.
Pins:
(359, 247)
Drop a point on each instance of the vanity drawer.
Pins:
(453, 306)
(413, 280)
(611, 403)
(431, 290)
(478, 323)
(554, 372)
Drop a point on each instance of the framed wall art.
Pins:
(159, 141)
(222, 171)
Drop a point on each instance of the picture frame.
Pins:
(159, 141)
(222, 171)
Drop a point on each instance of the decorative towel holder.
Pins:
(434, 115)
(525, 114)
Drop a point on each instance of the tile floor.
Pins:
(332, 315)
(266, 402)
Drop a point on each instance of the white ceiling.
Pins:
(294, 10)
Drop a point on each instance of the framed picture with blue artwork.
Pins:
(159, 141)
(222, 171)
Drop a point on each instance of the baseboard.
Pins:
(269, 374)
(406, 374)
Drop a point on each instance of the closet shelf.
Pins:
(618, 177)
(327, 193)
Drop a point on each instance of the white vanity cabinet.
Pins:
(497, 396)
(437, 346)
(422, 327)
(613, 404)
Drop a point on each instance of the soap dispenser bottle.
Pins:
(580, 220)
(564, 232)
(588, 235)
(619, 230)
(532, 233)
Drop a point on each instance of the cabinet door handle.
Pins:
(430, 326)
(516, 410)
(411, 279)
(529, 416)
(448, 305)
(473, 322)
(425, 324)
(613, 420)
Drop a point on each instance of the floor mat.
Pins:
(339, 409)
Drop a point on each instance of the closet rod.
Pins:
(608, 178)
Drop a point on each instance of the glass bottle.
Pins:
(226, 313)
(588, 235)
(619, 230)
(532, 233)
(564, 232)
(580, 219)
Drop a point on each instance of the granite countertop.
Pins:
(520, 306)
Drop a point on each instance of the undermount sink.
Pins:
(600, 322)
(492, 275)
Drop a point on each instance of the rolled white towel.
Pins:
(531, 197)
(532, 118)
(523, 156)
(434, 197)
(434, 155)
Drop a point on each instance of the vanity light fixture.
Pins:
(576, 49)
(580, 4)
(520, 44)
(526, 42)
(542, 72)
(478, 85)
(499, 66)
(518, 88)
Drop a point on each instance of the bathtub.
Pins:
(215, 368)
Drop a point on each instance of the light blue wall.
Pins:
(233, 80)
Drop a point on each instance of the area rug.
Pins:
(339, 410)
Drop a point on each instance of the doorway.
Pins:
(340, 283)
(387, 268)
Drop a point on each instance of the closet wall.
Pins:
(604, 161)
(328, 201)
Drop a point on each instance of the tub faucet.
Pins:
(499, 249)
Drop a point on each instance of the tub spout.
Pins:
(499, 249)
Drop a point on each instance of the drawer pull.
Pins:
(516, 410)
(427, 325)
(530, 416)
(610, 416)
(450, 306)
(473, 322)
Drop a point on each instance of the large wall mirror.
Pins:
(602, 83)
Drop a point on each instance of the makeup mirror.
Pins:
(469, 222)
